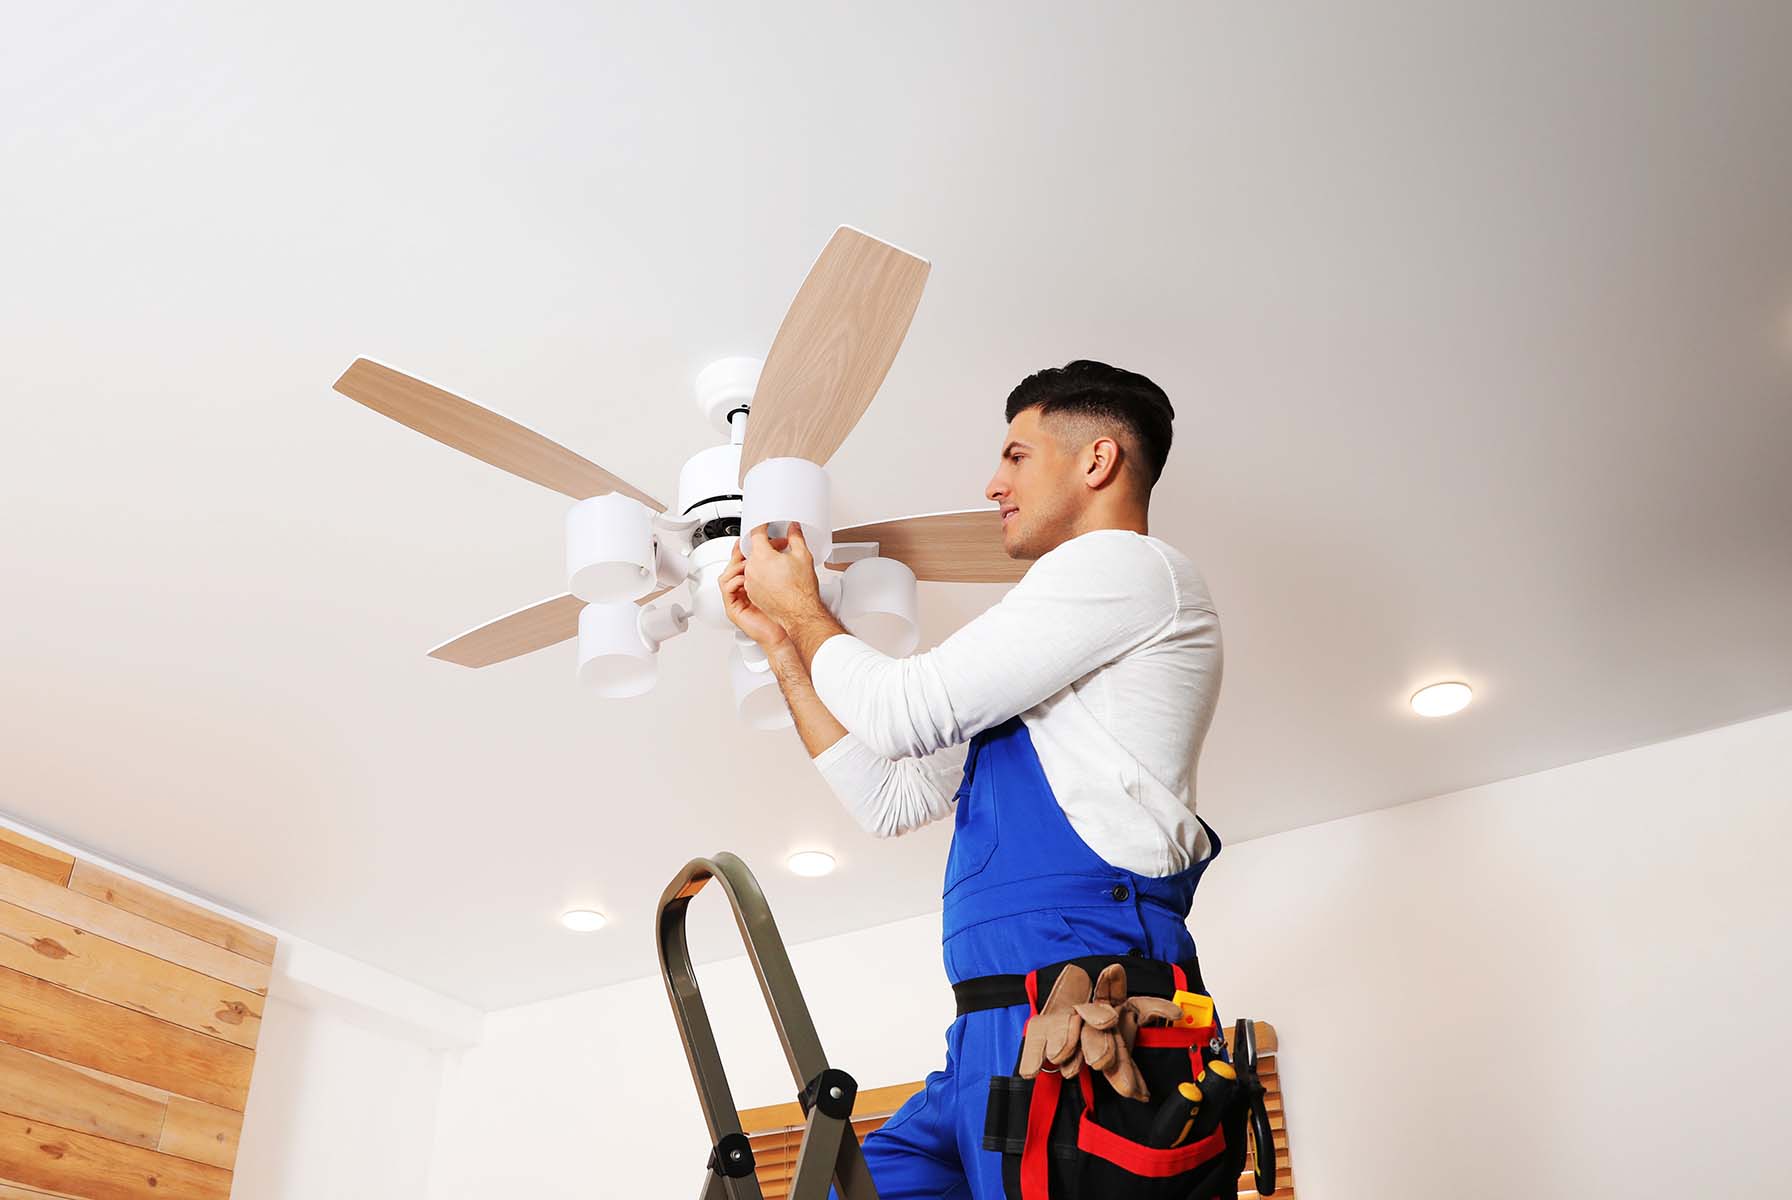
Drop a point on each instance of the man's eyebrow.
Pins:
(1014, 444)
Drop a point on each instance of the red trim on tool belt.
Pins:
(1035, 1166)
(1123, 1152)
(1146, 1160)
(1035, 1163)
(1160, 1037)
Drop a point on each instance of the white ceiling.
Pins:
(1478, 319)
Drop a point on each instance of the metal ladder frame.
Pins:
(830, 1149)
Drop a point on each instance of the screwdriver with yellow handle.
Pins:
(1195, 1110)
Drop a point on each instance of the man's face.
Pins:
(1038, 485)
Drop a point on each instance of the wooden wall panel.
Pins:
(128, 1021)
(38, 1154)
(42, 861)
(48, 1090)
(164, 909)
(129, 929)
(39, 1016)
(201, 1132)
(10, 1191)
(66, 956)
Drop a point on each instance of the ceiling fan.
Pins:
(783, 420)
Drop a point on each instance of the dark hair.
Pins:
(1094, 389)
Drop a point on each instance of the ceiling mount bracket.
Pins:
(726, 387)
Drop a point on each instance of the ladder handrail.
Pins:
(790, 1017)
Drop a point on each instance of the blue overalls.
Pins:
(1022, 891)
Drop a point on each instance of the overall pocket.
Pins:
(975, 834)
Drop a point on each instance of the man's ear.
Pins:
(1101, 462)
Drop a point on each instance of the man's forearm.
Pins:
(808, 629)
(814, 723)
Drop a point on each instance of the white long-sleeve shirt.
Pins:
(1108, 649)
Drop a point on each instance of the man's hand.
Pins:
(747, 617)
(781, 579)
(781, 584)
(789, 663)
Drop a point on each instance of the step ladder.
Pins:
(830, 1149)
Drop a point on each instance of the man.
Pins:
(1085, 694)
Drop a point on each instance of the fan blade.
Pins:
(833, 349)
(949, 547)
(521, 632)
(480, 432)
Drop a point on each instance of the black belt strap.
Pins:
(1144, 977)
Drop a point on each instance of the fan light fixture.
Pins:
(878, 605)
(811, 864)
(583, 920)
(1442, 699)
(609, 549)
(756, 694)
(619, 646)
(781, 490)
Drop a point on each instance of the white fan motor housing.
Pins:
(709, 484)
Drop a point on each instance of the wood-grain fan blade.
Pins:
(521, 632)
(484, 434)
(950, 547)
(834, 348)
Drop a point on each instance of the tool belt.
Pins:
(1077, 1138)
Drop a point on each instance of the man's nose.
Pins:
(995, 491)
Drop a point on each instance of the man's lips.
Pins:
(1007, 513)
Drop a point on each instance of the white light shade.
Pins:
(751, 652)
(812, 863)
(830, 587)
(756, 694)
(609, 549)
(1441, 699)
(877, 604)
(781, 490)
(583, 920)
(614, 659)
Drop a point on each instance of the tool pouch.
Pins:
(1076, 1139)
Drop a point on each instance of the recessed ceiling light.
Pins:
(583, 920)
(812, 863)
(1441, 699)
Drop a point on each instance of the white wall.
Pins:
(348, 1075)
(337, 1108)
(1572, 983)
(1566, 984)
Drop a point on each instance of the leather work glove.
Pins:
(1146, 1010)
(1111, 1021)
(1054, 1034)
